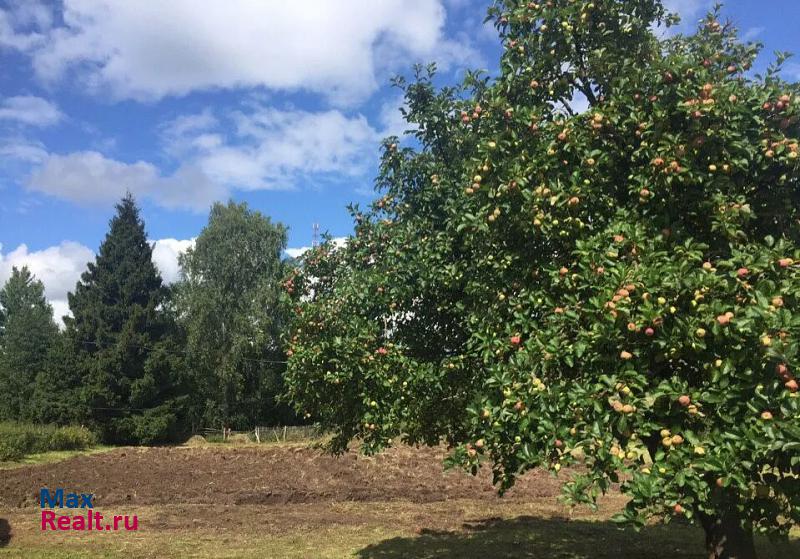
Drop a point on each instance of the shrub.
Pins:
(71, 438)
(18, 440)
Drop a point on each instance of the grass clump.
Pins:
(18, 440)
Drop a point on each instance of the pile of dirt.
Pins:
(261, 475)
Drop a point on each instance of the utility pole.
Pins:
(315, 235)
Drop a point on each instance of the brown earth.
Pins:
(292, 501)
(258, 475)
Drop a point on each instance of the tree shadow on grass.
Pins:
(529, 537)
(5, 532)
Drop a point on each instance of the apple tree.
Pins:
(591, 259)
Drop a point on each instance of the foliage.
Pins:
(616, 287)
(229, 306)
(121, 334)
(27, 332)
(17, 440)
(57, 395)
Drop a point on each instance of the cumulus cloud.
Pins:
(60, 267)
(391, 118)
(261, 147)
(22, 150)
(31, 110)
(165, 257)
(300, 251)
(88, 177)
(23, 24)
(254, 148)
(148, 50)
(689, 11)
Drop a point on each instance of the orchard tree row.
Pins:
(141, 362)
(614, 289)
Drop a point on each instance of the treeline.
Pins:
(144, 362)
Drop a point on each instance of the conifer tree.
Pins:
(120, 332)
(27, 332)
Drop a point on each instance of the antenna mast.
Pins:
(315, 235)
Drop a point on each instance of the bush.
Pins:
(18, 440)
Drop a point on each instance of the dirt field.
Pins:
(292, 501)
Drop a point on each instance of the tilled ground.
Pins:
(293, 502)
(258, 475)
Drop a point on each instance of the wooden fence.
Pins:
(268, 434)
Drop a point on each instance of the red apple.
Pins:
(684, 400)
(742, 272)
(649, 331)
(515, 340)
(791, 385)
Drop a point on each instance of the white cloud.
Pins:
(752, 33)
(88, 177)
(22, 150)
(17, 21)
(688, 8)
(148, 50)
(267, 148)
(391, 119)
(299, 251)
(254, 148)
(689, 11)
(27, 109)
(58, 267)
(165, 257)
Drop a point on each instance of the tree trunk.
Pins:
(726, 538)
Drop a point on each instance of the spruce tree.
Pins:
(56, 395)
(27, 332)
(120, 333)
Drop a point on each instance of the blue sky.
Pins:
(280, 104)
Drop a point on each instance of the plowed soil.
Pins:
(254, 475)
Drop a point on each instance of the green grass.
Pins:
(18, 440)
(51, 456)
(395, 530)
